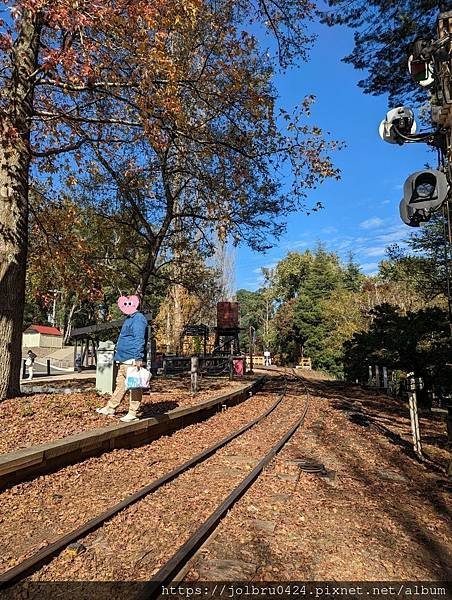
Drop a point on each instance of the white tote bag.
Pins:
(137, 378)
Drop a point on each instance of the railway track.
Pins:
(171, 567)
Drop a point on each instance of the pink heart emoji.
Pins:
(128, 304)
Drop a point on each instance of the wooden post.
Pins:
(449, 437)
(83, 351)
(251, 336)
(194, 374)
(377, 376)
(48, 367)
(24, 369)
(231, 367)
(370, 375)
(94, 351)
(414, 418)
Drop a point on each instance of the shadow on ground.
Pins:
(157, 408)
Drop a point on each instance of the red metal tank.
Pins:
(227, 315)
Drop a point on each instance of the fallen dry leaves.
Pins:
(35, 513)
(39, 418)
(134, 544)
(377, 515)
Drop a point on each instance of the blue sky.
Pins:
(361, 211)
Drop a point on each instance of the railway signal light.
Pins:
(420, 63)
(422, 71)
(423, 193)
(398, 125)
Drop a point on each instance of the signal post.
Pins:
(429, 191)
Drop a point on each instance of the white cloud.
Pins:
(296, 244)
(374, 251)
(369, 268)
(395, 234)
(343, 245)
(329, 230)
(371, 223)
(258, 270)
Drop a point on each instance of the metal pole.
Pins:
(24, 369)
(48, 366)
(54, 310)
(194, 374)
(83, 351)
(447, 252)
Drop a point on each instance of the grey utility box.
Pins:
(106, 368)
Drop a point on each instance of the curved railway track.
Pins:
(169, 570)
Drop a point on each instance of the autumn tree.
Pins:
(137, 88)
(67, 242)
(423, 261)
(257, 310)
(290, 273)
(316, 306)
(61, 88)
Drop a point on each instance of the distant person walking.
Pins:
(29, 363)
(130, 351)
(267, 359)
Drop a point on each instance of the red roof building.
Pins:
(42, 336)
(43, 329)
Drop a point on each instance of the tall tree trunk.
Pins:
(68, 329)
(14, 172)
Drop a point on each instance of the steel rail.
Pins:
(29, 565)
(176, 563)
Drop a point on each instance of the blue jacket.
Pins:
(132, 339)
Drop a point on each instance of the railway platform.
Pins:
(45, 431)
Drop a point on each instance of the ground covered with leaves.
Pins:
(39, 418)
(37, 512)
(375, 513)
(392, 417)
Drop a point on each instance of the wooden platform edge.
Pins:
(27, 463)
